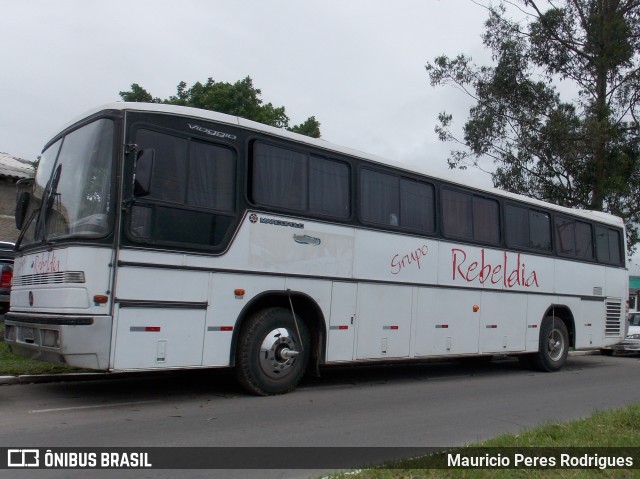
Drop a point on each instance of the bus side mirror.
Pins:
(144, 172)
(22, 203)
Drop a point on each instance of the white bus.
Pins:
(158, 237)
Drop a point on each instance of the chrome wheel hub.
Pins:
(555, 345)
(278, 353)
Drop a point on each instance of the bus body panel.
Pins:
(158, 337)
(502, 322)
(63, 280)
(342, 322)
(383, 321)
(378, 291)
(447, 323)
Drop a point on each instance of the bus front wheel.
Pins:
(273, 352)
(553, 346)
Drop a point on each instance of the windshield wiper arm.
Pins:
(25, 228)
(48, 200)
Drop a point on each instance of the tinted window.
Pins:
(380, 199)
(192, 197)
(486, 220)
(211, 178)
(574, 238)
(168, 182)
(291, 180)
(329, 192)
(390, 200)
(608, 245)
(565, 238)
(417, 205)
(527, 228)
(470, 217)
(540, 230)
(584, 240)
(279, 177)
(456, 214)
(517, 226)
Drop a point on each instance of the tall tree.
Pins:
(583, 152)
(240, 99)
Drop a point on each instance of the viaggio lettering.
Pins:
(510, 272)
(208, 131)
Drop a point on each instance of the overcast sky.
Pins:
(356, 65)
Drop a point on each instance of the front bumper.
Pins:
(77, 340)
(627, 345)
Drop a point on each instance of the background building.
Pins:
(12, 170)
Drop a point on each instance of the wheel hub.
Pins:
(555, 345)
(278, 353)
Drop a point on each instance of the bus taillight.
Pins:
(6, 278)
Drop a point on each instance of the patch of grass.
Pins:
(616, 428)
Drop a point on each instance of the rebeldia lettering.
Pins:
(510, 272)
(46, 263)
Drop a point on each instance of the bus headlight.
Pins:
(10, 332)
(50, 338)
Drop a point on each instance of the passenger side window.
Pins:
(391, 200)
(417, 206)
(192, 195)
(329, 187)
(608, 245)
(574, 238)
(471, 217)
(291, 180)
(526, 228)
(380, 199)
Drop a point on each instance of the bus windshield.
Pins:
(72, 191)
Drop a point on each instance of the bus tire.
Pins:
(553, 346)
(270, 358)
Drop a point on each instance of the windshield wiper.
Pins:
(25, 228)
(49, 197)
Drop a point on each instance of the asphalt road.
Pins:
(431, 404)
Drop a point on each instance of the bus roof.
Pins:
(325, 145)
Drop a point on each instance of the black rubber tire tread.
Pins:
(542, 361)
(248, 371)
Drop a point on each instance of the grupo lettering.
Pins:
(399, 262)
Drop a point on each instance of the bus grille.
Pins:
(614, 314)
(49, 278)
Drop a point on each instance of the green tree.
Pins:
(138, 94)
(582, 152)
(240, 99)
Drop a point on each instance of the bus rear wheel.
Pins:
(273, 352)
(553, 346)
